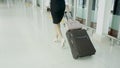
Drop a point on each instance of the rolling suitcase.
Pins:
(78, 39)
(80, 43)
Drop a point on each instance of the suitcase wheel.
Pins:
(75, 57)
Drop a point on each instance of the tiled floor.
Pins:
(26, 41)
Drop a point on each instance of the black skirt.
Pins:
(57, 10)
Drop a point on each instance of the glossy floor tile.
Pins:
(26, 41)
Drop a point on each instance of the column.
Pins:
(8, 4)
(75, 8)
(119, 31)
(103, 18)
(42, 5)
(34, 3)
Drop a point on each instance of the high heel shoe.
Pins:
(62, 42)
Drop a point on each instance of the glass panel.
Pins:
(94, 14)
(114, 27)
(81, 11)
(28, 3)
(1, 1)
(72, 6)
(38, 3)
(14, 3)
(115, 23)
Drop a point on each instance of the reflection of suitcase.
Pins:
(80, 43)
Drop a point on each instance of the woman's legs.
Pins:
(59, 34)
(58, 30)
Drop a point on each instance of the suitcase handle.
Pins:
(83, 37)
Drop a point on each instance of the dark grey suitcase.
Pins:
(80, 43)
